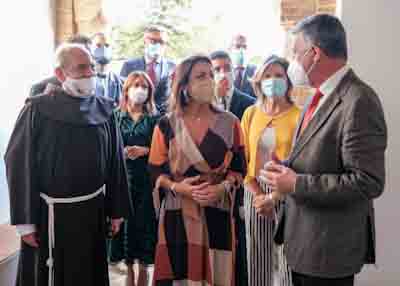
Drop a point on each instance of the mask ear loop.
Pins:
(313, 64)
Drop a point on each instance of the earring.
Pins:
(185, 96)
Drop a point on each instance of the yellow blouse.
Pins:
(254, 122)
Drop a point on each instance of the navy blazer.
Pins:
(162, 90)
(114, 86)
(239, 103)
(245, 85)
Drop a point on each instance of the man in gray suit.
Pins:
(337, 165)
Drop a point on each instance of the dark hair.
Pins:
(257, 78)
(149, 105)
(153, 28)
(220, 55)
(326, 32)
(236, 37)
(79, 39)
(179, 96)
(98, 34)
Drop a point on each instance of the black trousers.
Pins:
(305, 280)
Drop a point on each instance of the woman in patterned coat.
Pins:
(196, 163)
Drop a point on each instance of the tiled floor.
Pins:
(9, 241)
(9, 245)
(118, 279)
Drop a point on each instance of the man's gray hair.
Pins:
(326, 32)
(63, 53)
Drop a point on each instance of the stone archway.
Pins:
(77, 17)
(294, 10)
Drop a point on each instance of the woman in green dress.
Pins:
(136, 118)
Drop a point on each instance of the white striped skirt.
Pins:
(266, 263)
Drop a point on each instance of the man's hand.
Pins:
(116, 225)
(133, 152)
(31, 239)
(278, 177)
(51, 89)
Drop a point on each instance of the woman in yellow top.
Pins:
(268, 128)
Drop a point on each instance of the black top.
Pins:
(65, 146)
(137, 133)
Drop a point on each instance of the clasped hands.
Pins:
(205, 194)
(280, 179)
(133, 152)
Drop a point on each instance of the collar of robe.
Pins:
(84, 111)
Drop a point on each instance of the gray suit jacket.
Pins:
(329, 230)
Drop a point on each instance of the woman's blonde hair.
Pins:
(258, 76)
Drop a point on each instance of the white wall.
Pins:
(26, 53)
(374, 44)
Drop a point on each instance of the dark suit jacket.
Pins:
(245, 85)
(239, 102)
(39, 88)
(114, 86)
(162, 90)
(329, 230)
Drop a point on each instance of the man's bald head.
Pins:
(73, 60)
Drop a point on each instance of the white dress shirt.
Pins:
(329, 85)
(228, 99)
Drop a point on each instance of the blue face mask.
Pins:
(102, 55)
(274, 87)
(153, 51)
(238, 57)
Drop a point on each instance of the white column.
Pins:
(374, 44)
(26, 57)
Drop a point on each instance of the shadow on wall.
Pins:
(4, 204)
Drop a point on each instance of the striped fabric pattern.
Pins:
(266, 261)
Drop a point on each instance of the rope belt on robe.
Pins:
(52, 240)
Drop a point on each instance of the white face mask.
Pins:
(137, 95)
(238, 57)
(153, 51)
(80, 87)
(298, 76)
(274, 87)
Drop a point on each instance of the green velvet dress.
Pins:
(141, 228)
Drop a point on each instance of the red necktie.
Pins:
(238, 77)
(311, 109)
(151, 72)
